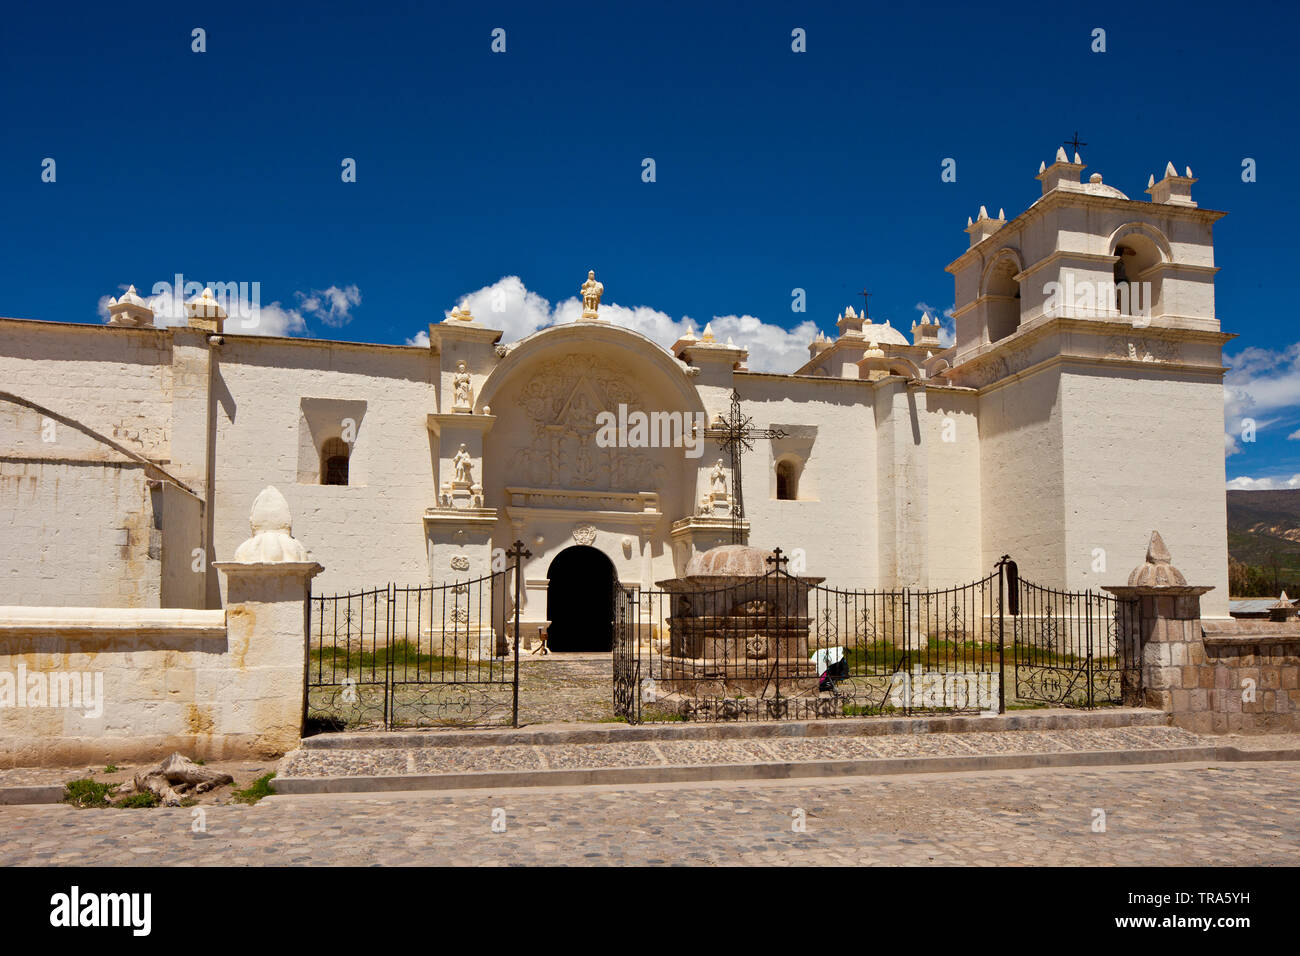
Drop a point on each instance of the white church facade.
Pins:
(1080, 406)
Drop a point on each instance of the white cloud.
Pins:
(333, 306)
(1259, 381)
(508, 305)
(1263, 484)
(1294, 436)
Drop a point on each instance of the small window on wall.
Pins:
(334, 462)
(787, 480)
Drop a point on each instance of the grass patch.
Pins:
(403, 655)
(87, 793)
(112, 768)
(146, 798)
(259, 788)
(879, 656)
(658, 715)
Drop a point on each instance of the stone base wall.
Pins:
(1247, 679)
(83, 686)
(1218, 675)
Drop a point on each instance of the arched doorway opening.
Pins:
(580, 600)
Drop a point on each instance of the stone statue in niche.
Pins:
(463, 393)
(464, 466)
(718, 478)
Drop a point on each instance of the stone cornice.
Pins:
(437, 421)
(464, 517)
(91, 621)
(1042, 326)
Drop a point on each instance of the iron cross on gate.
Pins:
(735, 435)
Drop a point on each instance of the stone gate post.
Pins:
(268, 585)
(1165, 638)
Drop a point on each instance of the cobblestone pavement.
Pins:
(432, 760)
(554, 688)
(1234, 814)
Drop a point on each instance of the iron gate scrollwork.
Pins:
(427, 656)
(1076, 648)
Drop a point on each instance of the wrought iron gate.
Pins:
(627, 670)
(777, 646)
(394, 657)
(1075, 648)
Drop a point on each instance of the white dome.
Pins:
(883, 334)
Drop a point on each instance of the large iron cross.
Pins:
(735, 435)
(1074, 143)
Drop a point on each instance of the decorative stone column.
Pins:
(267, 619)
(1166, 638)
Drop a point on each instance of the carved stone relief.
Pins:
(561, 401)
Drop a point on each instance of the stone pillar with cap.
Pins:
(268, 585)
(1166, 637)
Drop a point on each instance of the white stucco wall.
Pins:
(1143, 454)
(1022, 475)
(368, 532)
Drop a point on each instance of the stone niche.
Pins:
(735, 628)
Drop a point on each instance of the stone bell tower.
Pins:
(1087, 324)
(1087, 251)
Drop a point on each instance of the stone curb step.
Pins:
(14, 796)
(846, 727)
(780, 770)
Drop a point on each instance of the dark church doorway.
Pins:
(580, 600)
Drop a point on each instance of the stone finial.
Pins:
(1062, 173)
(1173, 189)
(272, 540)
(984, 225)
(1157, 571)
(130, 310)
(460, 314)
(818, 345)
(926, 332)
(205, 312)
(708, 332)
(1284, 610)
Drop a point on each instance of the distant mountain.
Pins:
(1265, 523)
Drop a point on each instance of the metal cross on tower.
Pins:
(735, 435)
(1074, 144)
(866, 302)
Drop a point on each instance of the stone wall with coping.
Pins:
(209, 684)
(85, 685)
(1210, 676)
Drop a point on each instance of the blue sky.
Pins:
(515, 172)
